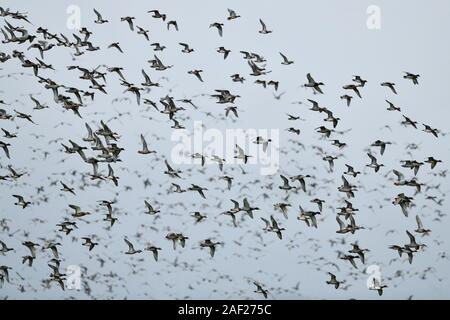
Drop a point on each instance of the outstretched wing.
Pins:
(419, 222)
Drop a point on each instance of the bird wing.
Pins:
(419, 222)
(399, 175)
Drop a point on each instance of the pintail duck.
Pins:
(360, 252)
(333, 281)
(373, 163)
(174, 237)
(381, 144)
(377, 286)
(351, 171)
(286, 61)
(263, 28)
(89, 243)
(390, 85)
(313, 84)
(285, 185)
(154, 250)
(420, 228)
(350, 258)
(218, 26)
(228, 179)
(392, 107)
(272, 226)
(131, 249)
(199, 189)
(411, 76)
(21, 201)
(347, 98)
(248, 209)
(99, 19)
(432, 161)
(283, 207)
(78, 213)
(171, 172)
(157, 15)
(428, 129)
(232, 15)
(198, 216)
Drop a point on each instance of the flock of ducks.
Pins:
(98, 157)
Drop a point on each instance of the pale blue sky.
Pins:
(330, 39)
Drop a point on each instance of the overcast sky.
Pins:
(329, 39)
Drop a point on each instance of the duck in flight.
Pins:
(248, 209)
(374, 163)
(309, 217)
(5, 146)
(241, 155)
(420, 229)
(99, 19)
(171, 172)
(313, 84)
(199, 189)
(150, 209)
(351, 171)
(404, 202)
(89, 243)
(129, 20)
(154, 250)
(286, 61)
(381, 144)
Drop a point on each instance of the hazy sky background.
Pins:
(331, 40)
